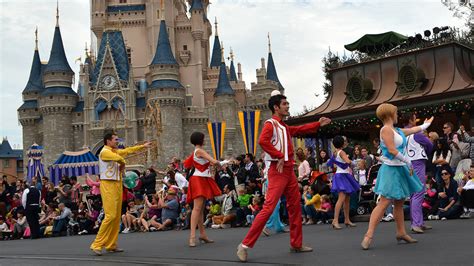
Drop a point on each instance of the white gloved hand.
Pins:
(224, 162)
(400, 156)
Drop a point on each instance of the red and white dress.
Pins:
(201, 183)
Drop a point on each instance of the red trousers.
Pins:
(279, 183)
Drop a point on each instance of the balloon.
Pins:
(130, 180)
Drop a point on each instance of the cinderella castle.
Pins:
(153, 77)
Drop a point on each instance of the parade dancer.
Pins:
(418, 146)
(343, 183)
(202, 186)
(275, 140)
(395, 180)
(111, 168)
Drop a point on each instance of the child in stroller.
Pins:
(366, 192)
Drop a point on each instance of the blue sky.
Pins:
(301, 32)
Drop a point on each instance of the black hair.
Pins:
(73, 178)
(275, 100)
(108, 136)
(338, 142)
(197, 138)
(407, 117)
(444, 149)
(250, 156)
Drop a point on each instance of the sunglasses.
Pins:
(444, 173)
(445, 127)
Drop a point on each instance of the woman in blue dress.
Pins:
(396, 180)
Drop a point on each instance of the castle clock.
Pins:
(108, 82)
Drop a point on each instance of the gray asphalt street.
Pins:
(449, 243)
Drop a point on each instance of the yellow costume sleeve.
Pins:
(314, 200)
(129, 150)
(108, 155)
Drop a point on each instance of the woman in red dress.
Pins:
(202, 186)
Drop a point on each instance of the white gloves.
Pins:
(224, 162)
(400, 156)
(425, 126)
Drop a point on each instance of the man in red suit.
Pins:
(275, 141)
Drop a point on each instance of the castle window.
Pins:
(67, 97)
(123, 1)
(78, 114)
(185, 47)
(36, 109)
(51, 97)
(6, 163)
(158, 14)
(129, 54)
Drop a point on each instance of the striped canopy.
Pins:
(74, 164)
(35, 166)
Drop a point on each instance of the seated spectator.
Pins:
(255, 207)
(169, 210)
(449, 208)
(85, 219)
(130, 215)
(466, 191)
(361, 174)
(326, 210)
(5, 232)
(185, 217)
(253, 187)
(214, 209)
(224, 177)
(20, 225)
(153, 212)
(430, 202)
(465, 137)
(51, 194)
(228, 209)
(61, 221)
(441, 157)
(243, 199)
(94, 185)
(149, 182)
(311, 204)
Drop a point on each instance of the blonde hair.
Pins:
(433, 135)
(386, 111)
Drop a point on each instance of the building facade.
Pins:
(11, 162)
(152, 77)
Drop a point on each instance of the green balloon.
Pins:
(130, 180)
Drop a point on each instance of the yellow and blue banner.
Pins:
(217, 135)
(249, 122)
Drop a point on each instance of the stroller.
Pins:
(367, 197)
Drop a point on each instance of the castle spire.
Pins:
(35, 81)
(216, 57)
(232, 74)
(215, 25)
(36, 38)
(163, 54)
(223, 85)
(271, 70)
(57, 13)
(196, 5)
(57, 58)
(269, 43)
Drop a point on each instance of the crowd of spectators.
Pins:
(158, 201)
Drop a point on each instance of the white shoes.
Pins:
(388, 218)
(433, 217)
(126, 231)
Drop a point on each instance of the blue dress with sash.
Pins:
(395, 182)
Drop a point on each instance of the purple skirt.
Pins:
(344, 183)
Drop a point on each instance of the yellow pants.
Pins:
(111, 193)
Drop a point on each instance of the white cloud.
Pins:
(301, 32)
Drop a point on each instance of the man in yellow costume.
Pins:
(111, 167)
